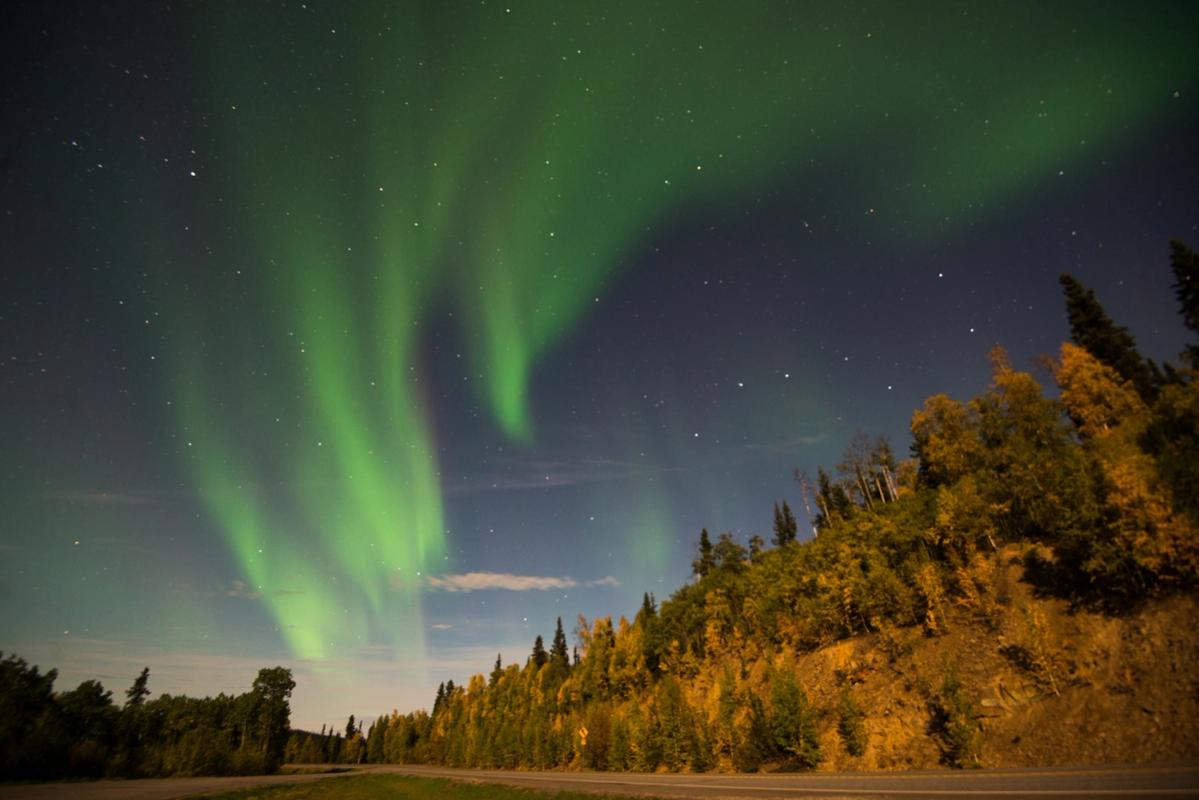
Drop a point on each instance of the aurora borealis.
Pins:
(373, 336)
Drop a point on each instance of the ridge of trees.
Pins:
(1098, 485)
(82, 733)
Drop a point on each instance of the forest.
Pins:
(1092, 483)
(82, 733)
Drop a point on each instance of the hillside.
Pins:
(1020, 592)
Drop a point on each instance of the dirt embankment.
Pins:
(1040, 684)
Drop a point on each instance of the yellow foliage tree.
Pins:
(1112, 418)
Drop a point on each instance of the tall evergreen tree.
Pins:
(785, 526)
(1185, 264)
(559, 654)
(1091, 328)
(649, 607)
(375, 741)
(831, 497)
(496, 672)
(137, 693)
(651, 646)
(437, 701)
(539, 656)
(705, 561)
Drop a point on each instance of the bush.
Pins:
(852, 725)
(793, 723)
(955, 723)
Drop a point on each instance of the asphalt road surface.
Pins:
(1039, 784)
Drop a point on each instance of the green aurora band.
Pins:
(385, 164)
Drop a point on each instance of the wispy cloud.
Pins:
(483, 581)
(478, 581)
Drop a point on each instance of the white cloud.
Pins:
(485, 581)
(478, 581)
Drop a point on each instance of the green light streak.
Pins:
(387, 162)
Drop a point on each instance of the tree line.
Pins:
(82, 733)
(1096, 486)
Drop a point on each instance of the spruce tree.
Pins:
(437, 701)
(1091, 328)
(559, 654)
(651, 648)
(831, 497)
(785, 526)
(705, 562)
(539, 656)
(649, 607)
(140, 690)
(1185, 264)
(497, 671)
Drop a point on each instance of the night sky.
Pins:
(368, 338)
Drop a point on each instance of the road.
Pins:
(1033, 784)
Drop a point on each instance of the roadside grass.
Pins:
(398, 787)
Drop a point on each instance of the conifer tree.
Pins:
(137, 693)
(831, 497)
(496, 672)
(438, 701)
(375, 739)
(649, 608)
(559, 654)
(651, 648)
(705, 562)
(539, 656)
(1091, 328)
(1184, 262)
(785, 526)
